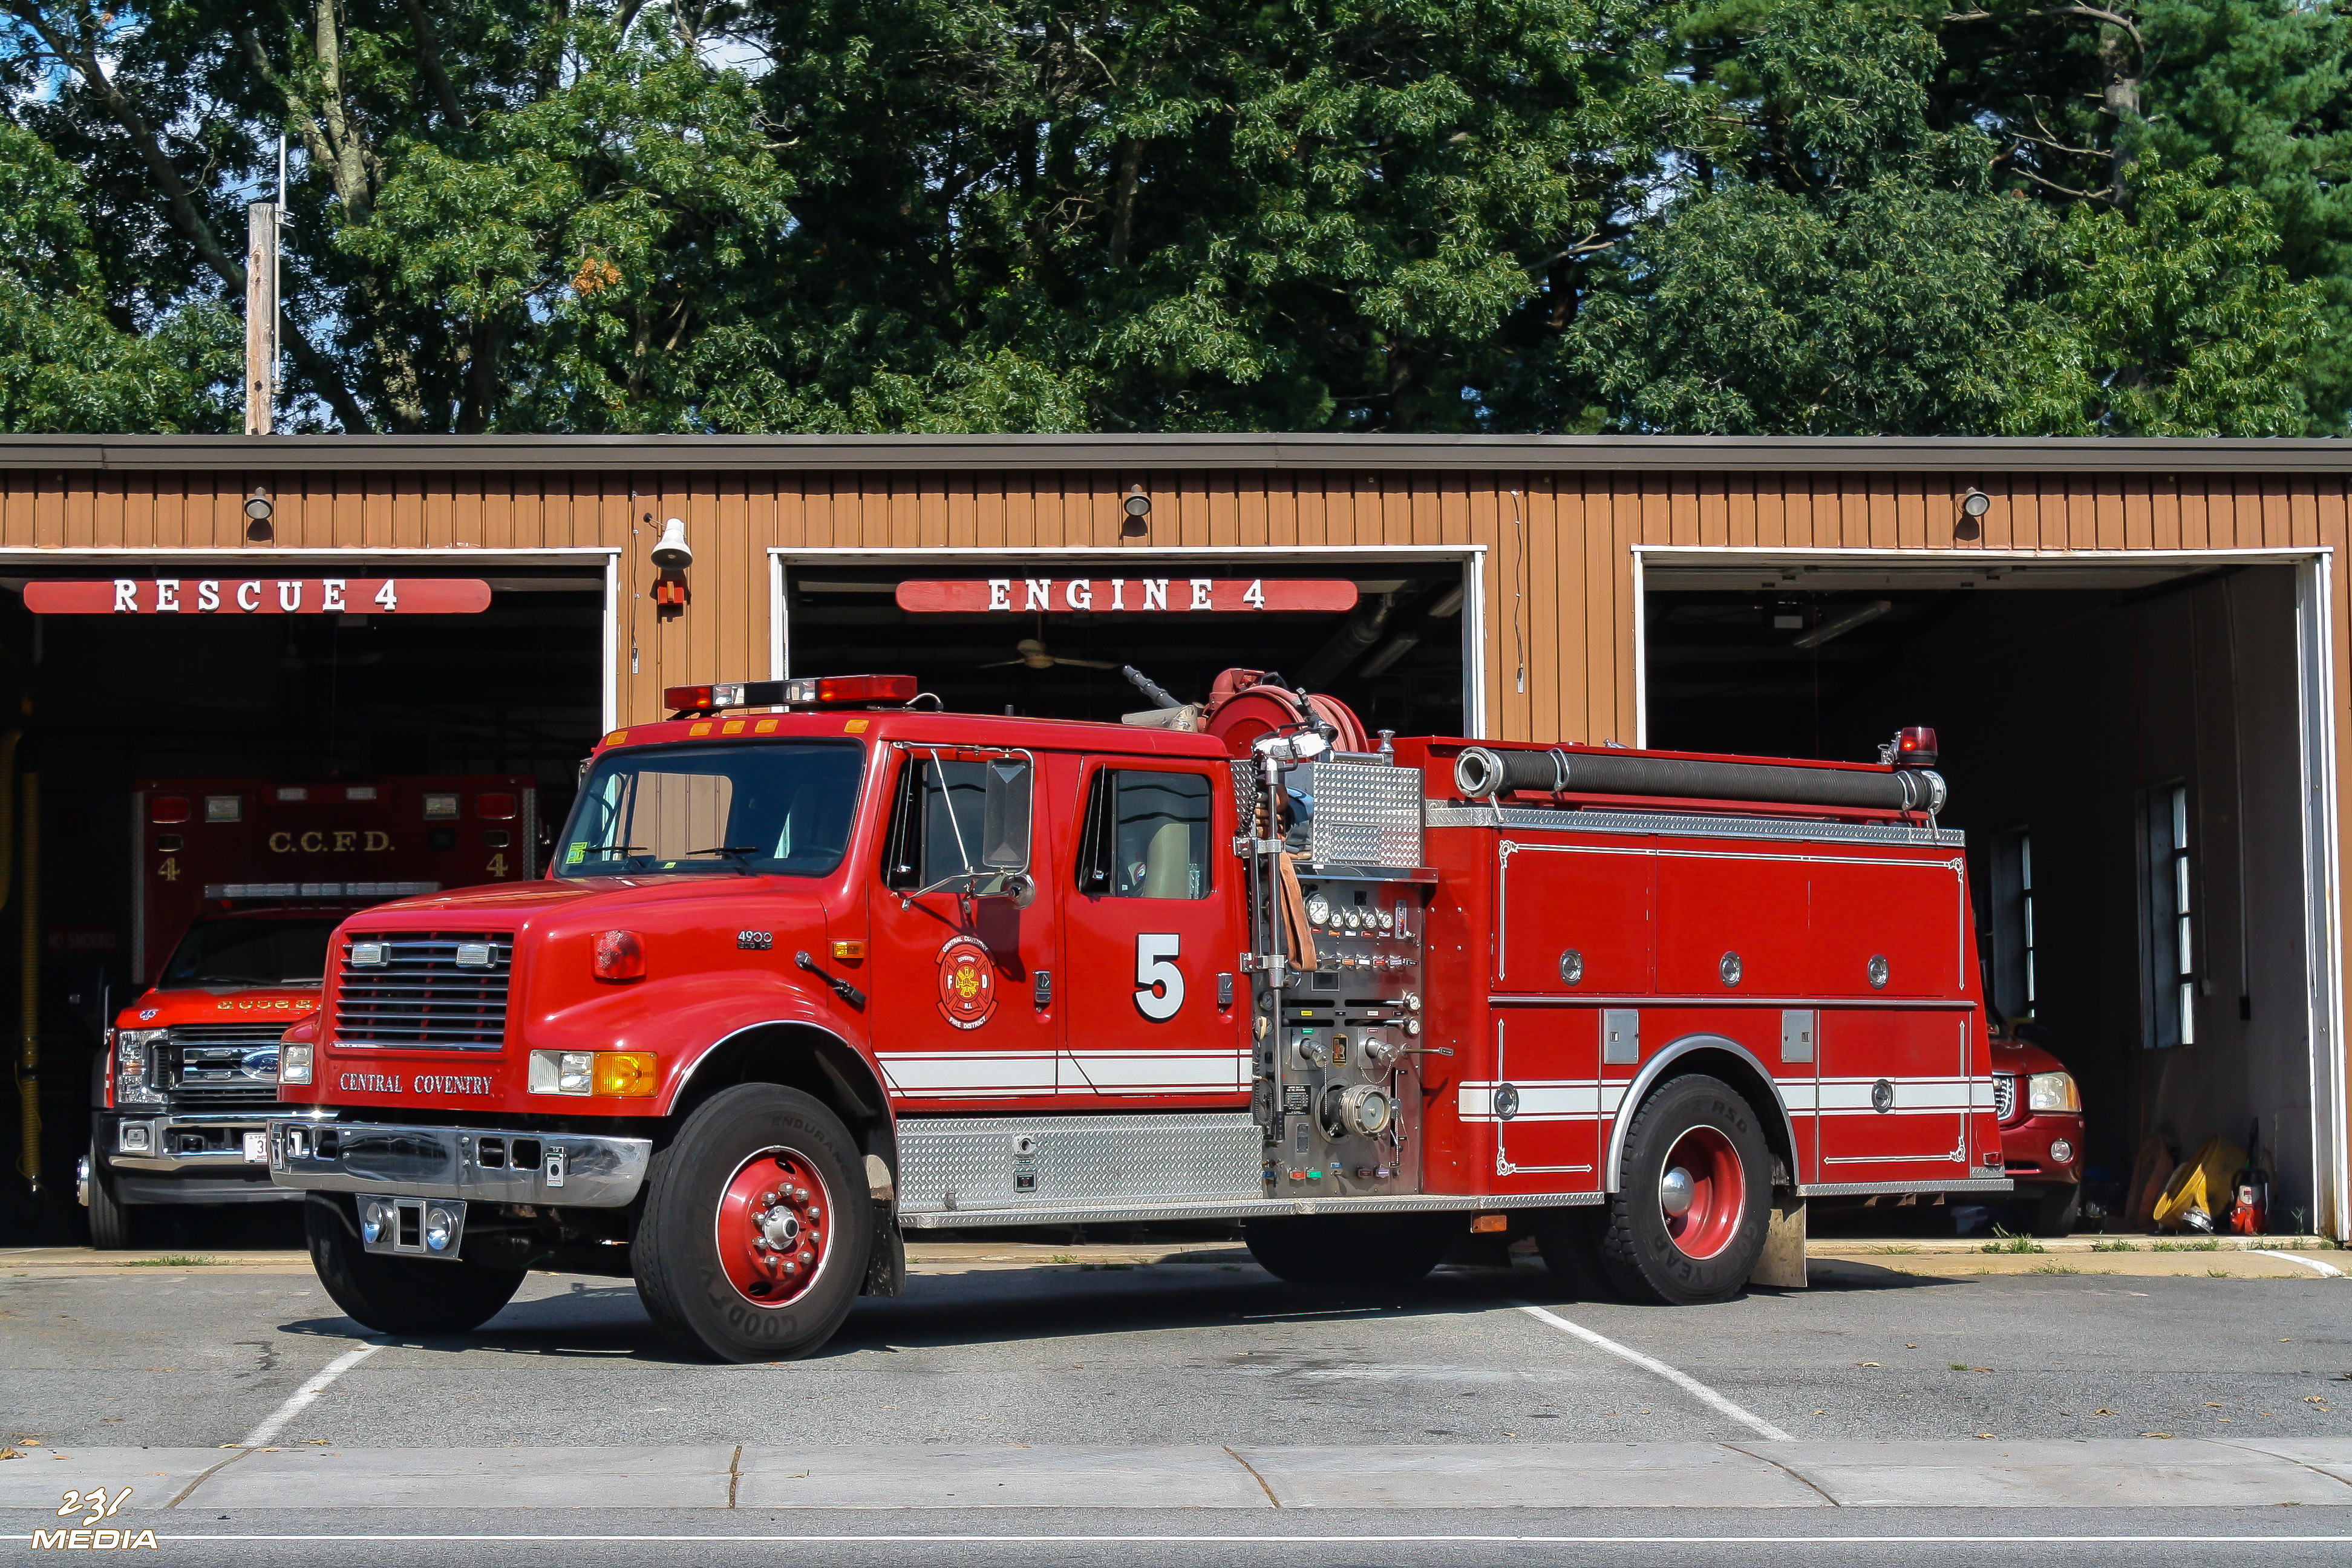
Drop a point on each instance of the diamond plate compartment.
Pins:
(1366, 814)
(948, 1162)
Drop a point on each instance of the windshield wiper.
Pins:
(736, 853)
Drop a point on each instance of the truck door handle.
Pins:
(841, 988)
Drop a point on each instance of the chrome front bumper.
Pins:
(567, 1169)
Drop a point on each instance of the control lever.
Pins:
(1427, 1051)
(841, 988)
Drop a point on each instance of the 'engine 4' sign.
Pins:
(1100, 596)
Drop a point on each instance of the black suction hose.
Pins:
(1481, 773)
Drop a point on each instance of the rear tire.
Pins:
(2053, 1213)
(756, 1164)
(399, 1295)
(1373, 1251)
(1700, 1131)
(1569, 1240)
(110, 1216)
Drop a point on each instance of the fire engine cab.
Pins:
(815, 964)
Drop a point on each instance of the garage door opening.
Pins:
(2129, 746)
(1397, 656)
(319, 705)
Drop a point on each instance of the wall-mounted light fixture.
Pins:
(1974, 504)
(1138, 508)
(258, 511)
(672, 556)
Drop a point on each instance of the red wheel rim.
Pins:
(1701, 1192)
(775, 1227)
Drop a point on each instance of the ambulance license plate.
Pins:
(257, 1148)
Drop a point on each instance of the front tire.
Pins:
(110, 1216)
(757, 1228)
(1689, 1221)
(2053, 1213)
(1374, 1251)
(399, 1295)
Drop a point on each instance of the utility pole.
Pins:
(261, 224)
(260, 317)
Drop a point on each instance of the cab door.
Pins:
(964, 975)
(1152, 933)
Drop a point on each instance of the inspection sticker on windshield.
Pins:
(257, 1148)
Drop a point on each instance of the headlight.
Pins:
(2051, 1091)
(135, 1077)
(620, 1075)
(294, 1064)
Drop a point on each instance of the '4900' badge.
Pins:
(967, 982)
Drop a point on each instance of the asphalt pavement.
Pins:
(1174, 1404)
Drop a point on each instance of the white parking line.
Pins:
(2329, 1269)
(299, 1400)
(1684, 1381)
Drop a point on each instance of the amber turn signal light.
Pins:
(849, 951)
(620, 955)
(1488, 1224)
(625, 1075)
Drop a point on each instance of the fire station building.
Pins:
(2132, 652)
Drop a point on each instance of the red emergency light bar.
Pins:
(803, 691)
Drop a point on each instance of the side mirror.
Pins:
(1004, 815)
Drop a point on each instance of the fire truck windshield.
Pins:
(779, 807)
(256, 952)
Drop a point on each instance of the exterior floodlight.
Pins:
(673, 554)
(257, 506)
(1138, 508)
(1976, 503)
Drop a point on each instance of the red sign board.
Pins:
(261, 596)
(1121, 595)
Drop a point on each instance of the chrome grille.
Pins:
(421, 995)
(2004, 1095)
(226, 1064)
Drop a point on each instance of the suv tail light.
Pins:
(620, 955)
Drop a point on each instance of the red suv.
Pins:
(2041, 1116)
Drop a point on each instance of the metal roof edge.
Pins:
(1140, 454)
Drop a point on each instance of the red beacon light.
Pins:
(1914, 747)
(802, 691)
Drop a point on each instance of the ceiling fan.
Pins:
(1033, 654)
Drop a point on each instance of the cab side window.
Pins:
(1146, 836)
(937, 823)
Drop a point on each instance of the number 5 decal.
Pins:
(1158, 984)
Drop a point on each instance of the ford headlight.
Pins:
(135, 1064)
(294, 1064)
(2051, 1091)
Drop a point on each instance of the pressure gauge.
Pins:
(1388, 921)
(1317, 911)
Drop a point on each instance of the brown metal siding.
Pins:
(1558, 586)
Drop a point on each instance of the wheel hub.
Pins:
(1675, 1190)
(1702, 1192)
(771, 1227)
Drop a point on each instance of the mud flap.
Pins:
(1781, 1265)
(886, 1261)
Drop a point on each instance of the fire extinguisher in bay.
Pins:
(2249, 1215)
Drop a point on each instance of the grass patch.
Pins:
(2007, 1242)
(2219, 1274)
(173, 1260)
(1893, 1250)
(2207, 1244)
(2052, 1268)
(2115, 1247)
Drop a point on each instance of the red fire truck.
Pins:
(816, 964)
(239, 883)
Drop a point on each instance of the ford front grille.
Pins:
(441, 989)
(227, 1066)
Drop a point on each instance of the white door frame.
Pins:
(1471, 558)
(231, 562)
(2331, 1151)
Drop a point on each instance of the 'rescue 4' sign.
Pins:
(261, 596)
(1155, 595)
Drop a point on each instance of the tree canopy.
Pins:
(1753, 216)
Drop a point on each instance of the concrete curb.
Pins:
(2194, 1473)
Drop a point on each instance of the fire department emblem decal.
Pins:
(967, 982)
